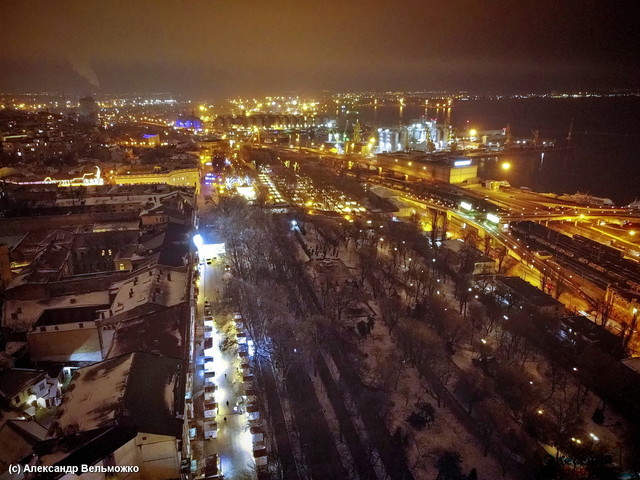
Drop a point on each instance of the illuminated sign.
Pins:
(493, 218)
(466, 205)
(462, 163)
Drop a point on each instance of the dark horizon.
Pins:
(214, 50)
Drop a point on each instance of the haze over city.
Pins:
(223, 48)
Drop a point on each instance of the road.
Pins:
(233, 444)
(218, 378)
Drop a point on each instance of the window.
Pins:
(56, 327)
(43, 329)
(81, 325)
(16, 400)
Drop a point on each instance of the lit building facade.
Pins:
(421, 135)
(188, 177)
(188, 122)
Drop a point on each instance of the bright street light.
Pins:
(506, 166)
(197, 240)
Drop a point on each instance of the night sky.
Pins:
(215, 48)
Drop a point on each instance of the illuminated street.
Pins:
(233, 442)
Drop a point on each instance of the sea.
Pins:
(601, 159)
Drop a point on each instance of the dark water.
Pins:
(604, 158)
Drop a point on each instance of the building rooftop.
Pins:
(138, 389)
(43, 253)
(158, 285)
(633, 364)
(17, 438)
(528, 292)
(85, 448)
(15, 380)
(21, 315)
(60, 316)
(162, 332)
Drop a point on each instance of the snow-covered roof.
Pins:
(456, 245)
(114, 199)
(158, 285)
(397, 202)
(162, 332)
(21, 315)
(381, 192)
(138, 389)
(15, 380)
(17, 438)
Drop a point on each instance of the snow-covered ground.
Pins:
(445, 433)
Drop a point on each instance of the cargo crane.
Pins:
(570, 134)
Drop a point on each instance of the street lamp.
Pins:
(198, 241)
(506, 166)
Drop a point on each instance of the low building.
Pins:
(125, 411)
(581, 333)
(439, 168)
(17, 438)
(517, 293)
(465, 259)
(623, 304)
(163, 333)
(21, 314)
(28, 389)
(67, 335)
(187, 177)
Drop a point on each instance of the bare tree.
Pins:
(472, 389)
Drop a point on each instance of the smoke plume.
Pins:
(83, 68)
